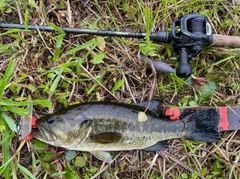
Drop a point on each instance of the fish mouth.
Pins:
(44, 134)
(37, 133)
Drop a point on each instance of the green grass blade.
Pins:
(8, 74)
(16, 110)
(99, 79)
(118, 85)
(98, 58)
(6, 147)
(56, 81)
(56, 28)
(34, 162)
(12, 103)
(40, 34)
(26, 19)
(79, 62)
(88, 92)
(33, 4)
(80, 47)
(14, 172)
(12, 31)
(6, 156)
(26, 171)
(9, 121)
(7, 138)
(223, 60)
(5, 166)
(4, 47)
(148, 19)
(148, 48)
(42, 102)
(58, 47)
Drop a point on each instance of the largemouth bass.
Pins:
(98, 127)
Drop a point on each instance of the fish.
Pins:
(102, 127)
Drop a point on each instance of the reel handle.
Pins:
(184, 69)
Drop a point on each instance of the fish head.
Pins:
(60, 130)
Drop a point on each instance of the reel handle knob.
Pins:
(183, 70)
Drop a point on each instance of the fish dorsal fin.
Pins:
(106, 137)
(102, 155)
(154, 106)
(162, 145)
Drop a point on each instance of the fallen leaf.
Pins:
(101, 43)
(98, 58)
(142, 117)
(80, 162)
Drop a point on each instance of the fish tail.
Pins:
(203, 126)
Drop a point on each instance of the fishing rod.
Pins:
(189, 34)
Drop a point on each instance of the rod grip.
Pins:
(225, 41)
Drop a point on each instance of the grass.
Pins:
(54, 70)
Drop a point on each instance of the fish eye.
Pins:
(50, 120)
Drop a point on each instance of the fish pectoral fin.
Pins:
(102, 155)
(106, 137)
(162, 145)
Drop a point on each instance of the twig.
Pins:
(98, 82)
(104, 168)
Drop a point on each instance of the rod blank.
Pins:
(159, 36)
(75, 30)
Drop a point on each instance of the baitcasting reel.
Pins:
(195, 32)
(189, 34)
